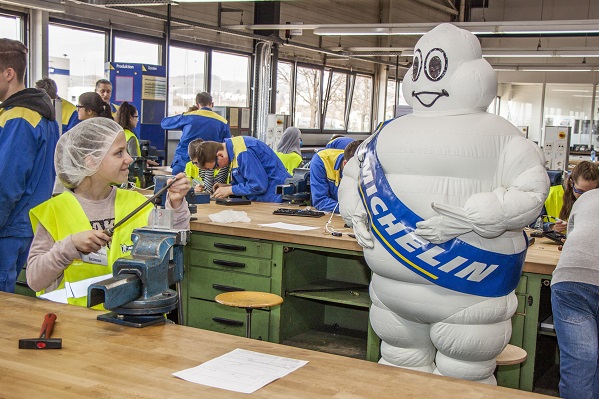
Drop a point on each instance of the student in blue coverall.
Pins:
(28, 136)
(104, 89)
(69, 111)
(255, 168)
(201, 124)
(339, 142)
(326, 171)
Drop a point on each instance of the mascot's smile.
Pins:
(436, 95)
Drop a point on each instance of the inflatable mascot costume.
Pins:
(438, 199)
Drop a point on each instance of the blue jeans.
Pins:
(13, 255)
(575, 317)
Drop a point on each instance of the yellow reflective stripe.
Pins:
(207, 114)
(19, 112)
(329, 157)
(238, 148)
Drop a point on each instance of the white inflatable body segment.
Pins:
(486, 182)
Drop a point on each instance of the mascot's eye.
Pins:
(435, 64)
(417, 65)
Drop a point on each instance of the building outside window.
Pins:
(229, 80)
(187, 78)
(76, 59)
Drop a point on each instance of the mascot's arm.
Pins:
(524, 185)
(350, 204)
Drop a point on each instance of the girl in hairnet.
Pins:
(70, 250)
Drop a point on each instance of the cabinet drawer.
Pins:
(230, 263)
(220, 318)
(228, 245)
(207, 283)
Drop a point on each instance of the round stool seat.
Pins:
(511, 355)
(249, 299)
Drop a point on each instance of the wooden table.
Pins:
(103, 360)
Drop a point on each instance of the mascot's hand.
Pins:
(362, 233)
(451, 222)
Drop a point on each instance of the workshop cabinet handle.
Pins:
(228, 322)
(228, 263)
(230, 246)
(226, 288)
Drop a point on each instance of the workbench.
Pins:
(103, 360)
(301, 266)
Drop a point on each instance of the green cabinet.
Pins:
(325, 292)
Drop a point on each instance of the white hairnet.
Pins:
(80, 151)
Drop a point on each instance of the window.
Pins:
(391, 99)
(523, 108)
(10, 27)
(336, 95)
(187, 78)
(76, 60)
(570, 105)
(136, 51)
(229, 80)
(307, 95)
(361, 107)
(284, 82)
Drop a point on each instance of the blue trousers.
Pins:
(575, 317)
(13, 255)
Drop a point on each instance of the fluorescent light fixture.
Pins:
(545, 68)
(478, 28)
(547, 53)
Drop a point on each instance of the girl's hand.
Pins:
(560, 226)
(223, 192)
(90, 240)
(177, 191)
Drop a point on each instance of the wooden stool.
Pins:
(248, 300)
(511, 355)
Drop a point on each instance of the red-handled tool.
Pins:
(44, 341)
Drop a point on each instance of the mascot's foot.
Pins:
(489, 381)
(427, 369)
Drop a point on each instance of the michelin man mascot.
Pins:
(438, 199)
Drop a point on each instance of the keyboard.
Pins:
(298, 212)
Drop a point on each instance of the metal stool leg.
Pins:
(248, 323)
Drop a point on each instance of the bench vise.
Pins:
(296, 189)
(138, 294)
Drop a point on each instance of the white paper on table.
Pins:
(241, 370)
(288, 226)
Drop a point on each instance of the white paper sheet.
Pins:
(288, 226)
(241, 370)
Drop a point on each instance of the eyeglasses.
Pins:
(135, 116)
(79, 106)
(577, 190)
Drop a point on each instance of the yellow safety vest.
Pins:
(128, 135)
(290, 161)
(62, 216)
(554, 201)
(329, 158)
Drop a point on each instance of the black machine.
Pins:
(192, 197)
(296, 189)
(139, 167)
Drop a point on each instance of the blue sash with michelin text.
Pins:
(455, 264)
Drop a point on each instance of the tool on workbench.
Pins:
(139, 292)
(44, 341)
(296, 189)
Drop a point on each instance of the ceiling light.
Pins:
(545, 68)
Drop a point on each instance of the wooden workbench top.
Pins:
(541, 257)
(103, 360)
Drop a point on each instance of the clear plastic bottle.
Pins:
(593, 157)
